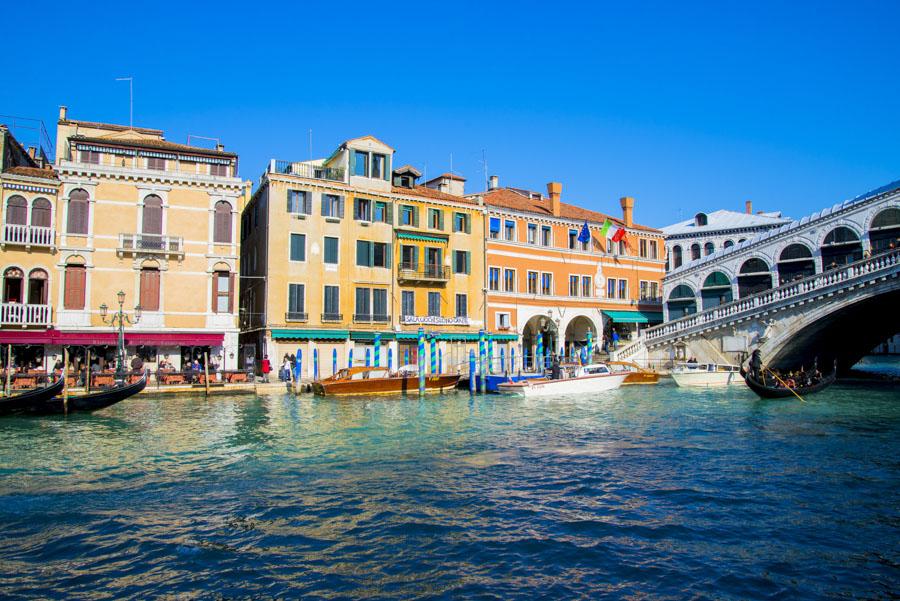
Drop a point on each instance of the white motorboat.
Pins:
(585, 379)
(706, 375)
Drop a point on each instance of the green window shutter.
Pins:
(389, 213)
(415, 255)
(468, 221)
(415, 216)
(352, 162)
(468, 262)
(340, 214)
(388, 254)
(440, 219)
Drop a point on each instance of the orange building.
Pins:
(543, 282)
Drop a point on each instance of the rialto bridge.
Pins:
(823, 287)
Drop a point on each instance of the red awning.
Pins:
(174, 338)
(26, 336)
(84, 338)
(89, 338)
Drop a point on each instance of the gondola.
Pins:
(19, 402)
(88, 402)
(772, 392)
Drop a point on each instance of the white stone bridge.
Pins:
(826, 286)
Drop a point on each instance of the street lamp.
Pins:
(118, 319)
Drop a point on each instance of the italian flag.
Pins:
(608, 230)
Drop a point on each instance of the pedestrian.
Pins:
(286, 368)
(615, 339)
(266, 368)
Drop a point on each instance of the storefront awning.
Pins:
(309, 334)
(89, 338)
(635, 316)
(421, 237)
(174, 338)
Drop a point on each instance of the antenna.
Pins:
(451, 163)
(310, 144)
(485, 168)
(130, 81)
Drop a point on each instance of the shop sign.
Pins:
(434, 320)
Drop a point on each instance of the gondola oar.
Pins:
(783, 384)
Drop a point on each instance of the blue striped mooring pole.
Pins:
(334, 361)
(471, 371)
(482, 357)
(315, 364)
(421, 360)
(377, 344)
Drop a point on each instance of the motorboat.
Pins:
(381, 380)
(492, 381)
(706, 375)
(636, 373)
(582, 379)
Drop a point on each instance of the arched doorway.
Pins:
(576, 335)
(754, 276)
(682, 301)
(795, 262)
(539, 327)
(841, 246)
(716, 290)
(884, 233)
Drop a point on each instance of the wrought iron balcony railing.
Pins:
(151, 244)
(335, 174)
(424, 273)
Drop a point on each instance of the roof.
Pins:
(408, 169)
(458, 178)
(161, 144)
(510, 199)
(726, 220)
(33, 172)
(111, 126)
(430, 193)
(371, 138)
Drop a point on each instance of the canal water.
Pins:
(653, 491)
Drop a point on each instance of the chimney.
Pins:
(63, 110)
(627, 203)
(493, 182)
(554, 191)
(220, 147)
(32, 152)
(748, 207)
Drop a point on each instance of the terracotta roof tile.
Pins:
(111, 126)
(33, 172)
(447, 175)
(161, 144)
(430, 193)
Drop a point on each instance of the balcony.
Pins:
(151, 244)
(24, 315)
(296, 316)
(29, 235)
(411, 272)
(335, 174)
(332, 317)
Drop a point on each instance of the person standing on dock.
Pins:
(266, 368)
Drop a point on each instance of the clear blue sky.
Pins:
(686, 106)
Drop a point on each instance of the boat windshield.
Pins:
(595, 369)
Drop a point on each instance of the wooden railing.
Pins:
(24, 315)
(28, 235)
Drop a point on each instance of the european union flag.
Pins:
(585, 235)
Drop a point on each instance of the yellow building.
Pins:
(337, 250)
(129, 211)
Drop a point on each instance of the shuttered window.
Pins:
(77, 222)
(379, 304)
(434, 304)
(332, 301)
(223, 292)
(362, 304)
(299, 201)
(298, 247)
(462, 261)
(152, 215)
(333, 206)
(408, 302)
(150, 289)
(331, 250)
(462, 305)
(17, 210)
(41, 212)
(222, 223)
(73, 298)
(296, 299)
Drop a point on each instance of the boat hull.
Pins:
(22, 402)
(641, 378)
(493, 381)
(570, 386)
(706, 379)
(396, 385)
(88, 402)
(769, 392)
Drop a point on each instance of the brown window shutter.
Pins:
(150, 289)
(222, 223)
(231, 293)
(152, 221)
(40, 212)
(73, 297)
(215, 291)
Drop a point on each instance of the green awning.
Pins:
(421, 237)
(635, 316)
(370, 336)
(309, 334)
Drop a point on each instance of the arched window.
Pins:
(676, 256)
(37, 287)
(728, 244)
(794, 263)
(701, 219)
(222, 223)
(222, 289)
(16, 210)
(742, 240)
(709, 248)
(149, 288)
(840, 247)
(753, 277)
(41, 212)
(716, 290)
(77, 220)
(12, 285)
(75, 284)
(681, 302)
(695, 251)
(151, 218)
(884, 235)
(840, 235)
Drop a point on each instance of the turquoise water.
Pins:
(658, 492)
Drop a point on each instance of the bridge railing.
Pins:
(751, 304)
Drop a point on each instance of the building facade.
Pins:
(131, 211)
(337, 250)
(550, 288)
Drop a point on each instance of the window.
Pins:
(573, 239)
(573, 285)
(407, 302)
(503, 321)
(709, 248)
(73, 297)
(379, 304)
(532, 282)
(494, 278)
(223, 285)
(378, 164)
(380, 257)
(509, 231)
(653, 251)
(461, 261)
(645, 289)
(333, 206)
(409, 215)
(296, 302)
(643, 248)
(509, 280)
(623, 289)
(37, 287)
(363, 253)
(695, 251)
(461, 223)
(332, 307)
(151, 215)
(382, 212)
(587, 289)
(546, 235)
(149, 289)
(434, 304)
(218, 170)
(331, 250)
(462, 305)
(77, 219)
(623, 249)
(156, 163)
(532, 233)
(728, 244)
(361, 163)
(676, 256)
(90, 156)
(363, 309)
(546, 284)
(494, 228)
(362, 209)
(435, 219)
(299, 202)
(41, 213)
(409, 257)
(610, 288)
(17, 210)
(298, 247)
(372, 254)
(222, 223)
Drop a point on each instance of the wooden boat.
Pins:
(380, 380)
(19, 402)
(586, 379)
(93, 401)
(706, 375)
(636, 373)
(768, 391)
